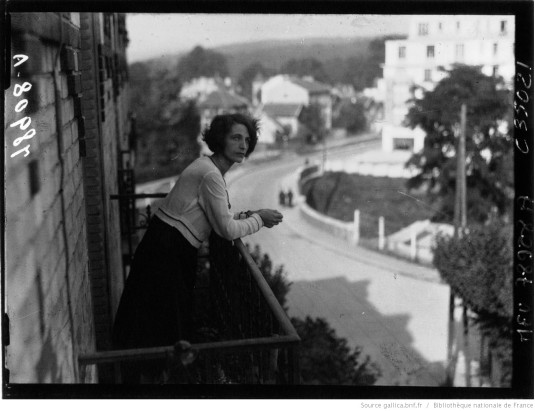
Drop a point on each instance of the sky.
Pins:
(156, 35)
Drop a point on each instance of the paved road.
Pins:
(396, 311)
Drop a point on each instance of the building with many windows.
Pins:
(436, 43)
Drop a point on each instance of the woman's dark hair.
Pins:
(215, 134)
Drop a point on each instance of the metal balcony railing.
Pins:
(250, 339)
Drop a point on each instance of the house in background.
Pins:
(282, 95)
(413, 64)
(271, 131)
(287, 115)
(63, 263)
(199, 88)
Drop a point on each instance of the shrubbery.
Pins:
(339, 194)
(478, 268)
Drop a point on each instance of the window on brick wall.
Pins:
(107, 26)
(427, 75)
(401, 52)
(33, 173)
(103, 72)
(495, 48)
(430, 52)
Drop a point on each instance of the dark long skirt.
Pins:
(156, 307)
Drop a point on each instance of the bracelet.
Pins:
(247, 214)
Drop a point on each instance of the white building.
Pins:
(287, 115)
(435, 42)
(287, 90)
(270, 128)
(199, 88)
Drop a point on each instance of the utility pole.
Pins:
(461, 231)
(459, 221)
(461, 168)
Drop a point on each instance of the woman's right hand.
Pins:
(270, 217)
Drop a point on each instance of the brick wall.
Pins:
(63, 250)
(47, 284)
(104, 107)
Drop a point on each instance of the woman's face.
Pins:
(236, 143)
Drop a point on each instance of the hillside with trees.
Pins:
(355, 61)
(342, 60)
(167, 128)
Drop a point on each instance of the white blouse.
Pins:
(198, 203)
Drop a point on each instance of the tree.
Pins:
(350, 115)
(305, 67)
(143, 96)
(311, 117)
(362, 70)
(478, 268)
(488, 143)
(167, 129)
(275, 277)
(327, 359)
(246, 77)
(202, 63)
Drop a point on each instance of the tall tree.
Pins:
(350, 114)
(167, 129)
(142, 96)
(362, 70)
(245, 80)
(312, 118)
(202, 63)
(489, 152)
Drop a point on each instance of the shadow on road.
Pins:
(385, 338)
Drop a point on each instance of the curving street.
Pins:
(395, 310)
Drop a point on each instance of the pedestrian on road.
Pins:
(282, 198)
(156, 307)
(290, 197)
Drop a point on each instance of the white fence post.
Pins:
(381, 233)
(356, 227)
(413, 243)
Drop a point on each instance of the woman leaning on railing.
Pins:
(156, 308)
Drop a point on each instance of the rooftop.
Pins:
(282, 110)
(311, 86)
(223, 99)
